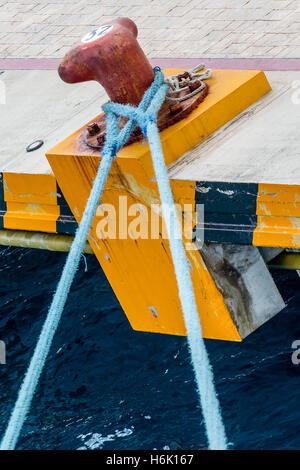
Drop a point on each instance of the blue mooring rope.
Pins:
(144, 116)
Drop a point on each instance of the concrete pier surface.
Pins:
(40, 106)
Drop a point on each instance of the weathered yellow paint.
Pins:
(278, 193)
(30, 188)
(278, 216)
(31, 202)
(141, 271)
(31, 216)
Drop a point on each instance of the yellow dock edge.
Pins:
(34, 202)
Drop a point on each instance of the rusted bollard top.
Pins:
(112, 56)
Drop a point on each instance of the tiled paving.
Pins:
(185, 28)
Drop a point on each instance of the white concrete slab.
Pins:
(261, 145)
(39, 105)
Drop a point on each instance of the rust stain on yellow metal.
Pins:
(278, 216)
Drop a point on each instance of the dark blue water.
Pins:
(106, 386)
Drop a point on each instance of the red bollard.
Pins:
(112, 56)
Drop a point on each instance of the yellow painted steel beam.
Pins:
(39, 240)
(141, 271)
(278, 216)
(33, 188)
(33, 202)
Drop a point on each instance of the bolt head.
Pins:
(93, 129)
(100, 139)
